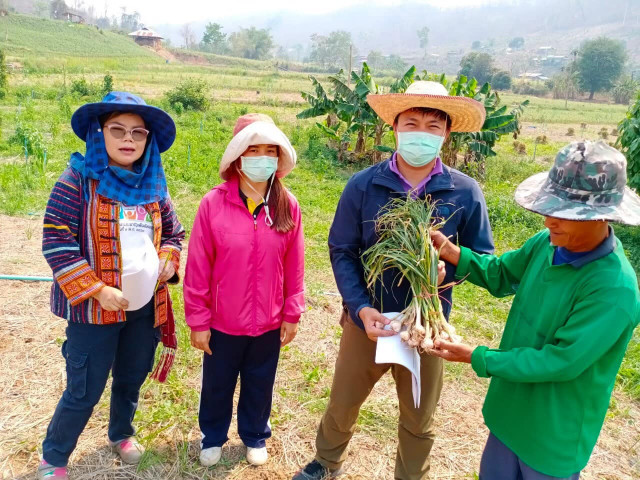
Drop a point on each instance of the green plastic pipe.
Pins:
(26, 278)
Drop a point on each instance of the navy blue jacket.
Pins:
(353, 232)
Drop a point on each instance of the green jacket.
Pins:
(561, 349)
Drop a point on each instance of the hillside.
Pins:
(27, 36)
(392, 29)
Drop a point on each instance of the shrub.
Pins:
(81, 88)
(570, 132)
(64, 107)
(624, 90)
(191, 93)
(536, 89)
(107, 84)
(29, 138)
(501, 80)
(542, 139)
(4, 81)
(178, 107)
(603, 133)
(629, 142)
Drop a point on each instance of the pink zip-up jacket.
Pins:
(242, 277)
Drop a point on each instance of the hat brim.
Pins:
(531, 194)
(467, 114)
(156, 120)
(256, 133)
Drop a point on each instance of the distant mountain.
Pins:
(561, 24)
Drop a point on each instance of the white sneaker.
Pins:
(257, 456)
(210, 456)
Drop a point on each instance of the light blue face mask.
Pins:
(419, 148)
(259, 169)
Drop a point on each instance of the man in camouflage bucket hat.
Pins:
(575, 308)
(587, 182)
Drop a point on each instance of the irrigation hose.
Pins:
(23, 278)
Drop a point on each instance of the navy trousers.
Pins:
(500, 463)
(92, 351)
(255, 359)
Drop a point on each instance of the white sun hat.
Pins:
(467, 114)
(258, 129)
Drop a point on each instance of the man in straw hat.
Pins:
(422, 119)
(575, 307)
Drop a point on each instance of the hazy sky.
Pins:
(182, 11)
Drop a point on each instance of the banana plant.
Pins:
(351, 121)
(475, 147)
(629, 143)
(358, 124)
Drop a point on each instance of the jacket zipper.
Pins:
(217, 294)
(255, 286)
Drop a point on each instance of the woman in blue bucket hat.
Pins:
(113, 241)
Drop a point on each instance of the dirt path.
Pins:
(33, 377)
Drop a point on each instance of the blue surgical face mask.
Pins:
(419, 148)
(259, 169)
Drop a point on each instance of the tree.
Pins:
(476, 45)
(375, 60)
(600, 64)
(501, 80)
(39, 8)
(57, 8)
(4, 75)
(213, 40)
(477, 65)
(516, 43)
(468, 151)
(395, 63)
(103, 22)
(282, 53)
(129, 22)
(332, 51)
(299, 49)
(565, 84)
(251, 43)
(188, 37)
(423, 36)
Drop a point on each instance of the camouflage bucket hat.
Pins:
(587, 182)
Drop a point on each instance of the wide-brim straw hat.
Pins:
(258, 129)
(467, 114)
(587, 182)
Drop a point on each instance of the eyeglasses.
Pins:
(137, 134)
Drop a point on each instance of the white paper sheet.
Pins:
(138, 286)
(394, 350)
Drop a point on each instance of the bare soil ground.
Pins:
(32, 379)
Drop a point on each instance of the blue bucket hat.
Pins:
(156, 120)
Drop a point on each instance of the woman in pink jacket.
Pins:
(244, 284)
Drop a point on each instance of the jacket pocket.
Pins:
(217, 291)
(76, 371)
